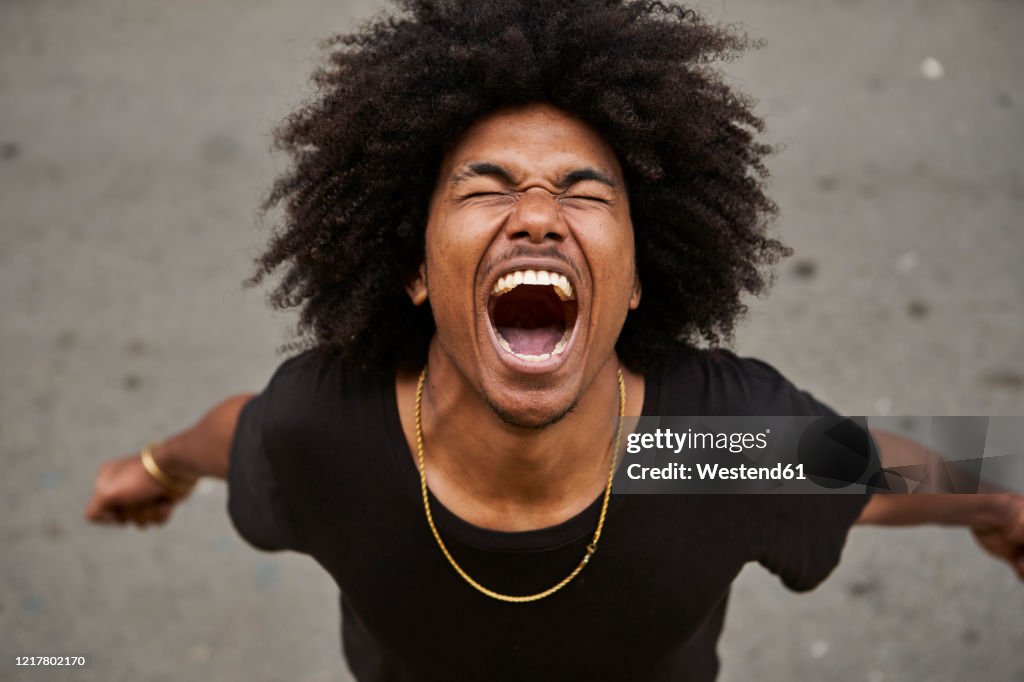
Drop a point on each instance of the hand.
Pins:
(124, 491)
(1004, 537)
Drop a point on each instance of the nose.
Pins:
(537, 217)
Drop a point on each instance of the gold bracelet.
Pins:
(173, 485)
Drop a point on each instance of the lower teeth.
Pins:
(557, 350)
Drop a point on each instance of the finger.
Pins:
(162, 512)
(158, 512)
(151, 513)
(93, 509)
(1015, 532)
(138, 514)
(105, 516)
(99, 506)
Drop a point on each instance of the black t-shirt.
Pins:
(320, 465)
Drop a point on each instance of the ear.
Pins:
(417, 286)
(634, 299)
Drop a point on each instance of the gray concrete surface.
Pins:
(134, 149)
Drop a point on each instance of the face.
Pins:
(529, 261)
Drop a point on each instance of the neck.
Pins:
(512, 478)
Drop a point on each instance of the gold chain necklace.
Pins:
(591, 548)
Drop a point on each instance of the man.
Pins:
(507, 225)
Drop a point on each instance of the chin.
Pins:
(533, 417)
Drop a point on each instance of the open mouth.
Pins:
(533, 313)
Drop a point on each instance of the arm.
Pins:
(203, 449)
(997, 520)
(125, 491)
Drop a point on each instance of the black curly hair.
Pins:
(391, 99)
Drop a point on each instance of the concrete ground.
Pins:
(134, 150)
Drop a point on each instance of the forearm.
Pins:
(996, 519)
(976, 511)
(203, 449)
(897, 451)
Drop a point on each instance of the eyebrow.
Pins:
(487, 169)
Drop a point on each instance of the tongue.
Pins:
(532, 341)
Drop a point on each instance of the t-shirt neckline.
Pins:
(571, 530)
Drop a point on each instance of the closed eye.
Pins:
(582, 197)
(493, 201)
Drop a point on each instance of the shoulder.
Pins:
(725, 365)
(718, 381)
(315, 393)
(722, 369)
(297, 381)
(319, 373)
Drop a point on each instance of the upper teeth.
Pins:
(510, 281)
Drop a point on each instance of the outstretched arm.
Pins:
(997, 520)
(124, 491)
